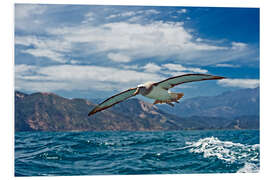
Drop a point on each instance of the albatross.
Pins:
(158, 91)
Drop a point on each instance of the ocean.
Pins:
(123, 153)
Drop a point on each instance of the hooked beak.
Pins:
(137, 91)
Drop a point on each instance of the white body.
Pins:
(158, 93)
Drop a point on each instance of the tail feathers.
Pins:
(157, 102)
(174, 98)
(179, 95)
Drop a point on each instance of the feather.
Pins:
(114, 100)
(173, 81)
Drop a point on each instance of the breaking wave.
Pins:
(230, 152)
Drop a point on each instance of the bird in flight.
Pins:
(158, 91)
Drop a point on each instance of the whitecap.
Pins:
(227, 151)
(109, 143)
(249, 168)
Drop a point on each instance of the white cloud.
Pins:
(227, 65)
(54, 49)
(136, 41)
(133, 14)
(28, 17)
(135, 19)
(23, 11)
(241, 83)
(182, 11)
(88, 17)
(132, 67)
(76, 77)
(151, 67)
(23, 68)
(124, 14)
(118, 57)
(174, 67)
(45, 53)
(149, 12)
(130, 41)
(179, 68)
(238, 45)
(199, 39)
(197, 70)
(73, 61)
(54, 44)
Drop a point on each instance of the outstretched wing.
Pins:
(173, 81)
(114, 100)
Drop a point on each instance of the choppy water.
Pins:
(175, 152)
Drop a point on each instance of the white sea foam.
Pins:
(228, 151)
(109, 143)
(249, 168)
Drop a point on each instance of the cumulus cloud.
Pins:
(179, 68)
(86, 77)
(118, 57)
(133, 67)
(88, 17)
(174, 67)
(182, 11)
(166, 69)
(240, 83)
(123, 41)
(133, 14)
(100, 78)
(28, 17)
(52, 55)
(124, 14)
(137, 41)
(52, 48)
(238, 46)
(76, 77)
(151, 67)
(121, 33)
(23, 68)
(23, 11)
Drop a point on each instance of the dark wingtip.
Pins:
(92, 112)
(219, 77)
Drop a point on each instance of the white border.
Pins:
(7, 81)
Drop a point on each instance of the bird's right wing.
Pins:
(114, 100)
(174, 81)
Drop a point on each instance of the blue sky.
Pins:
(96, 51)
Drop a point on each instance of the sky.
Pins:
(93, 52)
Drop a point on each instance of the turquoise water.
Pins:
(107, 153)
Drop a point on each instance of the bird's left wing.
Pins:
(114, 100)
(173, 81)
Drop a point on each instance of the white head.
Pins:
(146, 85)
(144, 88)
(140, 85)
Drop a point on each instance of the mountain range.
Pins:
(50, 112)
(228, 104)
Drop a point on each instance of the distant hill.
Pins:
(229, 105)
(50, 112)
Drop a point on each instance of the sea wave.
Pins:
(107, 153)
(228, 151)
(249, 168)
